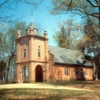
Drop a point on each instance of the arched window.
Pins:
(39, 52)
(66, 71)
(24, 53)
(25, 74)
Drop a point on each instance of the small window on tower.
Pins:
(24, 53)
(39, 53)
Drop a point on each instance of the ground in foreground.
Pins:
(47, 94)
(55, 94)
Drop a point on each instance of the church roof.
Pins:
(67, 56)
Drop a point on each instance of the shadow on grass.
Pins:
(77, 84)
(3, 94)
(63, 83)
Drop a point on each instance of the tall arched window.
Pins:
(25, 74)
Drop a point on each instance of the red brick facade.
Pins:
(35, 63)
(70, 72)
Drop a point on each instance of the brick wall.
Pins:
(74, 73)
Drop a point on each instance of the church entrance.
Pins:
(38, 74)
(25, 74)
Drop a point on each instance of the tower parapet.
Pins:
(31, 31)
(45, 34)
(18, 34)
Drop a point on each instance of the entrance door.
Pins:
(38, 74)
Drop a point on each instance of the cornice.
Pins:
(34, 36)
(31, 61)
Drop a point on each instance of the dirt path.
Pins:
(38, 85)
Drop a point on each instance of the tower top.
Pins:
(32, 26)
(32, 15)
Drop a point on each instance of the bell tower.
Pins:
(32, 54)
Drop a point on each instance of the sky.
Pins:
(42, 17)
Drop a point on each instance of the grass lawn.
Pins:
(47, 94)
(55, 94)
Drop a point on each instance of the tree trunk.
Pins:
(7, 71)
(99, 13)
(8, 68)
(95, 71)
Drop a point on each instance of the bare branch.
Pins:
(31, 3)
(97, 15)
(70, 5)
(94, 5)
(3, 3)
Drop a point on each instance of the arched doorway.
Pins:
(25, 74)
(38, 74)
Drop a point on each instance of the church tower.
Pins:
(32, 56)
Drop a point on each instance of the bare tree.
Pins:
(8, 44)
(90, 46)
(11, 5)
(68, 34)
(2, 70)
(84, 8)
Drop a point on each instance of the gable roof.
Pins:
(67, 56)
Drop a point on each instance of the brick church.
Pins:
(39, 62)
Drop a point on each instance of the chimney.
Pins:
(18, 34)
(45, 34)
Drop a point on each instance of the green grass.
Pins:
(46, 94)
